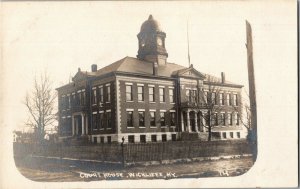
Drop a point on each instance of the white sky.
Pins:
(62, 36)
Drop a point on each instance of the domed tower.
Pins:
(152, 42)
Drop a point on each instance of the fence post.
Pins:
(123, 155)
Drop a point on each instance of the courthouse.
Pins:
(148, 99)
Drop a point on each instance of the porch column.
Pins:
(182, 122)
(86, 124)
(82, 124)
(73, 125)
(188, 121)
(196, 122)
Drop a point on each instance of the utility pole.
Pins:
(252, 92)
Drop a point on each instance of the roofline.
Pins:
(143, 75)
(223, 84)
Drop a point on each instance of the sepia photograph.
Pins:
(100, 92)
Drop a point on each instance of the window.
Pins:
(236, 118)
(143, 138)
(108, 119)
(153, 138)
(94, 96)
(142, 119)
(94, 121)
(163, 137)
(130, 138)
(102, 140)
(128, 92)
(221, 98)
(238, 134)
(213, 98)
(230, 119)
(171, 95)
(222, 119)
(231, 134)
(192, 96)
(162, 94)
(140, 93)
(228, 99)
(206, 97)
(152, 119)
(101, 118)
(129, 118)
(73, 99)
(108, 93)
(235, 100)
(101, 95)
(151, 94)
(172, 118)
(108, 139)
(214, 119)
(69, 102)
(82, 98)
(95, 140)
(173, 137)
(162, 119)
(224, 135)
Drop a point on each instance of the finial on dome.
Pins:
(150, 17)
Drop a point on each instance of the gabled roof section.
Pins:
(189, 72)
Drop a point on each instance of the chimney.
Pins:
(223, 77)
(79, 70)
(155, 68)
(94, 67)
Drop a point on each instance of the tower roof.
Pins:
(150, 25)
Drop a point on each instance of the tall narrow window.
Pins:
(222, 119)
(162, 119)
(108, 119)
(221, 98)
(82, 94)
(213, 98)
(172, 118)
(73, 101)
(228, 99)
(230, 119)
(162, 94)
(108, 93)
(94, 121)
(237, 119)
(140, 93)
(142, 119)
(101, 121)
(235, 100)
(206, 97)
(94, 96)
(152, 119)
(151, 94)
(171, 95)
(128, 92)
(101, 95)
(129, 118)
(214, 119)
(192, 96)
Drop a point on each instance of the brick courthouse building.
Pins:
(146, 99)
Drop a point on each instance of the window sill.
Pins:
(141, 101)
(129, 101)
(107, 102)
(94, 104)
(142, 127)
(153, 127)
(152, 102)
(173, 126)
(130, 127)
(108, 128)
(172, 103)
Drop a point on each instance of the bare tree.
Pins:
(40, 103)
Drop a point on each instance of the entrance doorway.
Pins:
(78, 125)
